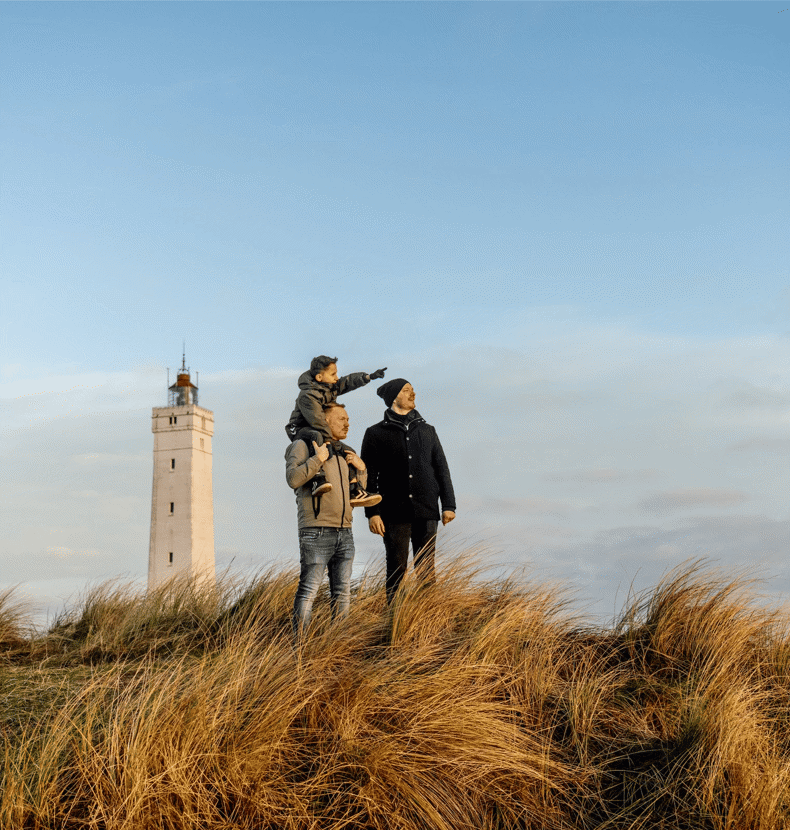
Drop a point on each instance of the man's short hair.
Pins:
(318, 364)
(334, 406)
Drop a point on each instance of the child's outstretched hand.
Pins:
(379, 373)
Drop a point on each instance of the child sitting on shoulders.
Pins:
(318, 387)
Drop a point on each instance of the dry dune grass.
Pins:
(14, 621)
(476, 704)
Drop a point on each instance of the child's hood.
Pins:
(307, 381)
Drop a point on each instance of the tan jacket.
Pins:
(335, 510)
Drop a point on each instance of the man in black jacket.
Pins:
(407, 466)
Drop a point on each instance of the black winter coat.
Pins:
(407, 466)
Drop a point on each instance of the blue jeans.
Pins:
(319, 548)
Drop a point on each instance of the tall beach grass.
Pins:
(481, 704)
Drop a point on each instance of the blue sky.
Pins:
(565, 223)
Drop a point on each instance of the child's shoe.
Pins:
(361, 498)
(320, 485)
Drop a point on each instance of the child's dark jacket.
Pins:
(314, 396)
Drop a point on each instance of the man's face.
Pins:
(405, 399)
(328, 375)
(337, 420)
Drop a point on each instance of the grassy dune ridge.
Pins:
(477, 704)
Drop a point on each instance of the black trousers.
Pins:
(422, 534)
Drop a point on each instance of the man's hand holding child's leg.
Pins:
(320, 484)
(322, 452)
(359, 497)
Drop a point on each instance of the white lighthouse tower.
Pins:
(182, 501)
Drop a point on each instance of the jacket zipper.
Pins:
(342, 491)
(405, 427)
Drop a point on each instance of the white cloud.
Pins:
(602, 476)
(674, 500)
(64, 553)
(553, 448)
(635, 558)
(670, 551)
(234, 377)
(10, 370)
(777, 446)
(97, 458)
(32, 401)
(525, 506)
(749, 396)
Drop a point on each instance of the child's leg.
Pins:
(308, 435)
(359, 497)
(341, 449)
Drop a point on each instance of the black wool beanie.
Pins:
(390, 390)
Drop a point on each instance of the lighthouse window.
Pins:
(201, 443)
(172, 507)
(175, 419)
(172, 463)
(171, 557)
(204, 422)
(171, 419)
